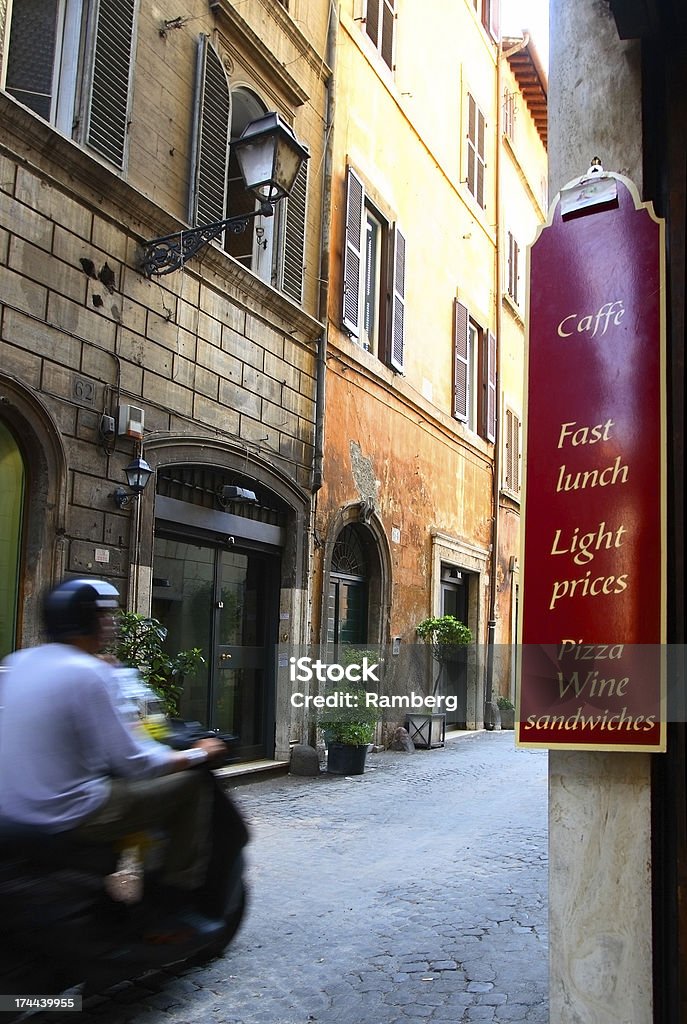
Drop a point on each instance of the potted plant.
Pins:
(507, 711)
(139, 645)
(447, 638)
(349, 728)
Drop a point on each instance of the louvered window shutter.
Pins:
(372, 21)
(491, 387)
(398, 302)
(210, 154)
(479, 192)
(512, 451)
(472, 145)
(355, 202)
(461, 361)
(107, 115)
(508, 445)
(387, 47)
(292, 268)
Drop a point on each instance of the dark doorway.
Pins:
(224, 600)
(454, 601)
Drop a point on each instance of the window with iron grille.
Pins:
(475, 151)
(87, 99)
(379, 24)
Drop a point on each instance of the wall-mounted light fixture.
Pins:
(230, 495)
(270, 157)
(138, 473)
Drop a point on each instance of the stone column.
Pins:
(599, 803)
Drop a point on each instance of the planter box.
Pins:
(344, 759)
(427, 730)
(507, 718)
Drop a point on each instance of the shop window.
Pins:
(474, 374)
(374, 272)
(70, 62)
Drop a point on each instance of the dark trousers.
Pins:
(180, 805)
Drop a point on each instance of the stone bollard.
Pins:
(304, 761)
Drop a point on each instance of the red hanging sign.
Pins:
(593, 553)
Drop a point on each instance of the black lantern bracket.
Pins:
(270, 158)
(169, 253)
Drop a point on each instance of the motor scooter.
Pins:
(61, 930)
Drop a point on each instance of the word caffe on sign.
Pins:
(593, 540)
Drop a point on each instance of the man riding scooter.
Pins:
(70, 763)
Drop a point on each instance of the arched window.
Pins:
(271, 247)
(12, 486)
(347, 606)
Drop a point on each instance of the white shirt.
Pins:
(62, 737)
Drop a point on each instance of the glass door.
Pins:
(222, 600)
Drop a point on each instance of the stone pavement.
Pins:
(413, 893)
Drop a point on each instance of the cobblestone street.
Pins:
(416, 892)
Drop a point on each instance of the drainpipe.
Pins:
(490, 710)
(323, 301)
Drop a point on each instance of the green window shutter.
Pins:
(355, 204)
(398, 302)
(107, 113)
(461, 361)
(210, 152)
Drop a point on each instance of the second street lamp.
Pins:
(270, 157)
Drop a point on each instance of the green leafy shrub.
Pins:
(447, 636)
(140, 645)
(505, 704)
(353, 726)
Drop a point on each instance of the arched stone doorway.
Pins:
(33, 475)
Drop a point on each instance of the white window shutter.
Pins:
(293, 254)
(491, 387)
(355, 204)
(107, 113)
(398, 292)
(210, 150)
(461, 361)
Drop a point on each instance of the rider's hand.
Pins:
(215, 748)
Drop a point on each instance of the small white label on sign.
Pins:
(395, 534)
(284, 615)
(102, 555)
(592, 191)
